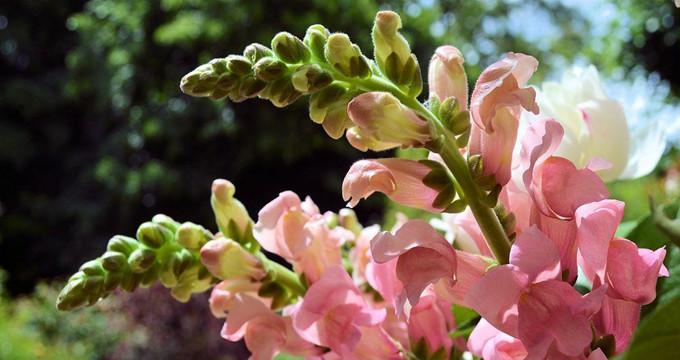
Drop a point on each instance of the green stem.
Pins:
(285, 277)
(489, 223)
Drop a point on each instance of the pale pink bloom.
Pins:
(360, 254)
(296, 231)
(632, 272)
(383, 278)
(496, 105)
(226, 259)
(431, 320)
(424, 257)
(363, 140)
(375, 344)
(470, 268)
(380, 115)
(526, 299)
(446, 75)
(554, 183)
(618, 318)
(400, 179)
(597, 354)
(489, 343)
(462, 230)
(222, 298)
(265, 333)
(333, 311)
(596, 225)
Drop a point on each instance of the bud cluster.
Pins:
(486, 183)
(164, 250)
(441, 179)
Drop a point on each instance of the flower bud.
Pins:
(226, 259)
(315, 39)
(113, 261)
(72, 295)
(92, 268)
(153, 235)
(254, 52)
(455, 120)
(251, 86)
(228, 210)
(200, 82)
(310, 78)
(141, 260)
(239, 65)
(165, 221)
(348, 219)
(181, 261)
(385, 119)
(219, 66)
(122, 244)
(387, 40)
(269, 69)
(329, 107)
(289, 48)
(363, 141)
(346, 57)
(192, 236)
(446, 75)
(281, 92)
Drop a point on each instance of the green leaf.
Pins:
(658, 335)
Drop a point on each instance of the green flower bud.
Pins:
(455, 120)
(255, 52)
(346, 57)
(219, 66)
(153, 235)
(329, 107)
(348, 219)
(92, 268)
(289, 48)
(122, 244)
(281, 93)
(227, 259)
(166, 221)
(141, 260)
(269, 69)
(251, 86)
(113, 261)
(226, 82)
(149, 276)
(228, 209)
(388, 41)
(310, 78)
(72, 295)
(315, 39)
(112, 281)
(192, 236)
(239, 65)
(181, 261)
(130, 282)
(166, 275)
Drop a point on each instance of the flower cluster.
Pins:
(517, 224)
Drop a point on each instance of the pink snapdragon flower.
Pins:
(400, 179)
(432, 320)
(496, 105)
(333, 313)
(526, 299)
(446, 75)
(265, 333)
(489, 343)
(424, 257)
(296, 231)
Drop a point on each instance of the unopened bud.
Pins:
(72, 295)
(348, 219)
(269, 69)
(239, 65)
(226, 259)
(346, 57)
(255, 52)
(153, 235)
(363, 140)
(387, 40)
(141, 260)
(281, 92)
(446, 75)
(452, 117)
(228, 209)
(386, 119)
(251, 86)
(219, 66)
(165, 221)
(315, 39)
(192, 236)
(92, 268)
(122, 244)
(181, 261)
(310, 78)
(289, 48)
(113, 261)
(226, 82)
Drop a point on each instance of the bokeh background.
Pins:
(96, 138)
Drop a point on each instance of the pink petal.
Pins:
(563, 235)
(565, 188)
(245, 308)
(545, 318)
(428, 320)
(446, 75)
(400, 179)
(596, 225)
(470, 268)
(383, 278)
(597, 354)
(491, 344)
(618, 318)
(496, 294)
(535, 254)
(496, 147)
(631, 272)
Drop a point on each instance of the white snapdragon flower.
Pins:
(596, 126)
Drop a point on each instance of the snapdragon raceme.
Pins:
(499, 283)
